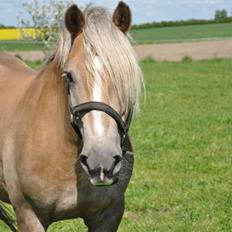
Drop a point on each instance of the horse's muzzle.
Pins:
(102, 176)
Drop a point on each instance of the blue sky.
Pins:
(143, 10)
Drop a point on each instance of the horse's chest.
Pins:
(92, 199)
(67, 199)
(80, 202)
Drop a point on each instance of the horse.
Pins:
(65, 151)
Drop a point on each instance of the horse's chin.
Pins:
(106, 182)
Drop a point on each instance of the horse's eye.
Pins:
(68, 77)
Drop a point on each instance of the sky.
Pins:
(142, 10)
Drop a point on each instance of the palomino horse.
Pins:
(52, 169)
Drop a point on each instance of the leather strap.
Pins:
(79, 111)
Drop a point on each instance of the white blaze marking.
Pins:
(98, 125)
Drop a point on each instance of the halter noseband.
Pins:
(78, 112)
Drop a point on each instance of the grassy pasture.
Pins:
(19, 45)
(153, 35)
(183, 142)
(183, 33)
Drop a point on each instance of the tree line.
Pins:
(4, 26)
(220, 16)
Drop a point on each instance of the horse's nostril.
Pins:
(83, 159)
(117, 164)
(117, 158)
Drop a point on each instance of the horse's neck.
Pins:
(46, 116)
(50, 96)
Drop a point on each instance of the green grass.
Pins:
(183, 33)
(19, 46)
(35, 64)
(182, 178)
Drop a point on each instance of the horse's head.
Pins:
(100, 67)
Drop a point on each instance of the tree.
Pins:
(220, 15)
(45, 18)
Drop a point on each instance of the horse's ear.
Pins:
(122, 17)
(74, 20)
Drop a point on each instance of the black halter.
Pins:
(78, 112)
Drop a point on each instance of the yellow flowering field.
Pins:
(15, 34)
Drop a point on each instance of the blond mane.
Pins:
(103, 38)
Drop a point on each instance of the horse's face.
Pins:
(101, 154)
